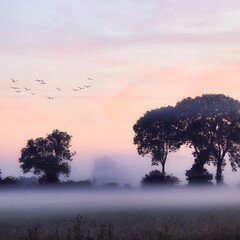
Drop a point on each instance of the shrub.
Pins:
(156, 177)
(198, 175)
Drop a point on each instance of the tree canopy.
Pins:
(212, 127)
(156, 135)
(48, 157)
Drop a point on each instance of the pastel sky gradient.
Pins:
(142, 55)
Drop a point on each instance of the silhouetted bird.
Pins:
(89, 78)
(38, 80)
(50, 98)
(27, 89)
(33, 93)
(59, 89)
(87, 86)
(13, 80)
(15, 88)
(81, 88)
(76, 90)
(18, 91)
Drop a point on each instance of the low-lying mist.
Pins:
(60, 201)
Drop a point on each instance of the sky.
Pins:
(141, 54)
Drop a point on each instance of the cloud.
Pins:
(86, 30)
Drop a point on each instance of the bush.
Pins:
(198, 175)
(156, 177)
(9, 180)
(83, 183)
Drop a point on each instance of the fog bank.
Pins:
(34, 202)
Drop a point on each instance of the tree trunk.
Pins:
(219, 176)
(163, 168)
(49, 178)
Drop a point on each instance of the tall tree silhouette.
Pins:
(156, 135)
(211, 124)
(48, 157)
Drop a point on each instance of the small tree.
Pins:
(156, 134)
(47, 157)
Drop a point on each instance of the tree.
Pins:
(48, 157)
(211, 125)
(156, 177)
(156, 134)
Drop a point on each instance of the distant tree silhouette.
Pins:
(9, 181)
(48, 157)
(83, 183)
(28, 181)
(156, 135)
(211, 125)
(156, 177)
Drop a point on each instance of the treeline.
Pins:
(209, 125)
(34, 182)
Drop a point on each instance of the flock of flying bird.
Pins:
(42, 82)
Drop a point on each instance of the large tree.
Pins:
(48, 157)
(156, 135)
(211, 125)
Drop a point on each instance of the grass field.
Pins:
(105, 216)
(136, 225)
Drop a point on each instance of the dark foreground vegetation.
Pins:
(132, 225)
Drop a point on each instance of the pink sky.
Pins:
(142, 55)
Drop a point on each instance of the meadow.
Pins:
(101, 217)
(134, 225)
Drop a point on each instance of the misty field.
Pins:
(135, 225)
(105, 215)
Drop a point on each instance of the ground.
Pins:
(144, 224)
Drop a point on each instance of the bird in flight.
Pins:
(15, 88)
(13, 80)
(81, 88)
(59, 89)
(89, 78)
(40, 81)
(18, 91)
(50, 98)
(33, 93)
(27, 89)
(76, 90)
(87, 86)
